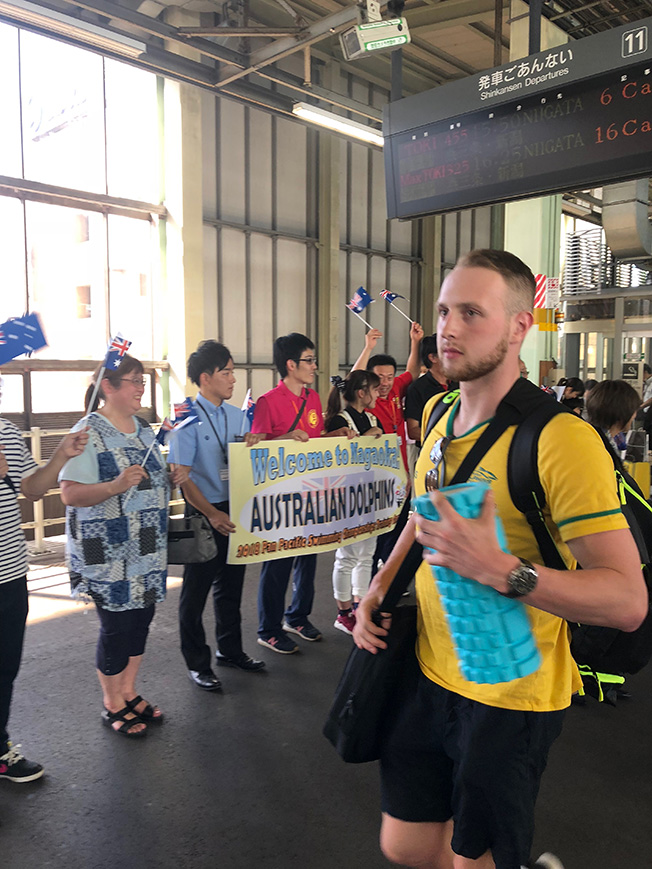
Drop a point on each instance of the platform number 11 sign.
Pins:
(634, 42)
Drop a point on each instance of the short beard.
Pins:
(476, 370)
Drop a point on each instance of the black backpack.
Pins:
(596, 649)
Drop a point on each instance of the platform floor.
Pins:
(244, 779)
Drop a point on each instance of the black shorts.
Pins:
(123, 635)
(450, 757)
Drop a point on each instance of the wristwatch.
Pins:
(522, 580)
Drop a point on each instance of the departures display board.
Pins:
(568, 118)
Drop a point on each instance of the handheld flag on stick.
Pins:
(248, 407)
(21, 335)
(390, 298)
(359, 302)
(114, 354)
(163, 432)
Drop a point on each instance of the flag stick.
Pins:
(409, 319)
(97, 386)
(362, 319)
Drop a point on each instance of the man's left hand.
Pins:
(416, 332)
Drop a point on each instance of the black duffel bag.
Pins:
(364, 699)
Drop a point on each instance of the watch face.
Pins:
(523, 579)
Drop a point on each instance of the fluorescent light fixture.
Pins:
(23, 12)
(336, 122)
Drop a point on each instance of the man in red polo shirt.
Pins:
(290, 410)
(389, 404)
(389, 412)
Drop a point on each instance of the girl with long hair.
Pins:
(353, 562)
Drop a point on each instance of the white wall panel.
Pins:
(466, 237)
(401, 236)
(358, 195)
(209, 163)
(450, 237)
(233, 331)
(357, 330)
(210, 283)
(260, 168)
(262, 381)
(232, 161)
(291, 176)
(261, 298)
(292, 298)
(398, 328)
(378, 202)
(482, 227)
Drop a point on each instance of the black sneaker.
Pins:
(14, 767)
(306, 631)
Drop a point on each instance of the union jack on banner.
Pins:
(540, 291)
(2, 337)
(389, 297)
(117, 349)
(360, 300)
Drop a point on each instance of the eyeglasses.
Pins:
(137, 381)
(311, 360)
(437, 473)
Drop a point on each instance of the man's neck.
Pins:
(295, 386)
(216, 401)
(437, 375)
(479, 399)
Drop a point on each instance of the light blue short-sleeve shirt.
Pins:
(204, 447)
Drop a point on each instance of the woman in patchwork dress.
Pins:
(116, 526)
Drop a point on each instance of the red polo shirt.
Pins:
(277, 409)
(389, 411)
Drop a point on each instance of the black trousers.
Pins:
(13, 615)
(226, 581)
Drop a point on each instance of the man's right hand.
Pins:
(4, 464)
(367, 634)
(221, 522)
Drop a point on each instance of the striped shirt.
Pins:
(13, 552)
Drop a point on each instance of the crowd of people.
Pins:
(461, 766)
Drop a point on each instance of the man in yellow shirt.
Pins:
(461, 767)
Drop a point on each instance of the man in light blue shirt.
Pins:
(203, 450)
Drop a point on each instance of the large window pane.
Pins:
(66, 279)
(131, 132)
(130, 282)
(10, 163)
(13, 291)
(63, 114)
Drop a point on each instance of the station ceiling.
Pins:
(273, 53)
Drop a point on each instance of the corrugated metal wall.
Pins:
(261, 181)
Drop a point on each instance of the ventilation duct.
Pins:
(625, 219)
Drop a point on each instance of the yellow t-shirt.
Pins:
(578, 480)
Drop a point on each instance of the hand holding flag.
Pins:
(390, 299)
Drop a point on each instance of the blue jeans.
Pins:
(274, 578)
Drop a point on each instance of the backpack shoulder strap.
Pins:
(438, 405)
(525, 487)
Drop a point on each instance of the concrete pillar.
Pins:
(431, 271)
(533, 226)
(329, 307)
(184, 229)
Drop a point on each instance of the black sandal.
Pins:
(147, 715)
(108, 719)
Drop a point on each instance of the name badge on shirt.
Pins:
(224, 475)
